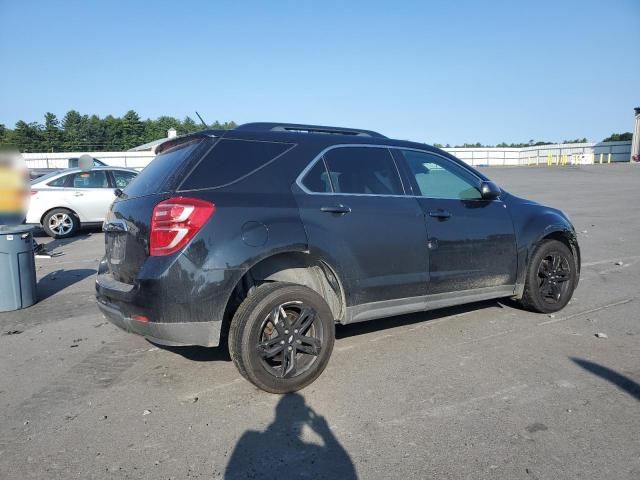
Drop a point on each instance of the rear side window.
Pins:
(156, 176)
(362, 170)
(59, 182)
(231, 160)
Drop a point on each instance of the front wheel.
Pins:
(551, 278)
(281, 337)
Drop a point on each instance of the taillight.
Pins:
(175, 222)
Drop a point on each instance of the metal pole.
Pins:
(635, 141)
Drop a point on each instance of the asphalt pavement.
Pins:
(481, 391)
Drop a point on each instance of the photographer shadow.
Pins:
(281, 452)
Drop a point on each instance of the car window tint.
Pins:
(437, 177)
(93, 179)
(122, 178)
(363, 170)
(157, 176)
(231, 160)
(317, 179)
(59, 182)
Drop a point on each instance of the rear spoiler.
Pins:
(174, 142)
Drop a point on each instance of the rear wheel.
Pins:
(551, 278)
(60, 223)
(281, 337)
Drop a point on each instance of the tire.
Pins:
(260, 338)
(549, 287)
(60, 223)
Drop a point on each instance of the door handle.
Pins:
(78, 194)
(439, 214)
(340, 209)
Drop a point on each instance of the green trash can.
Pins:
(17, 268)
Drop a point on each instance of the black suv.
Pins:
(267, 235)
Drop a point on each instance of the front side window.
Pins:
(362, 170)
(92, 179)
(122, 178)
(436, 177)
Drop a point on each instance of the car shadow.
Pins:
(58, 280)
(198, 354)
(50, 246)
(293, 456)
(622, 382)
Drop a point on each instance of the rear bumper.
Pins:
(206, 334)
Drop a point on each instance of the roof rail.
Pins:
(300, 128)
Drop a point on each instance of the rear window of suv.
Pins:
(231, 160)
(156, 176)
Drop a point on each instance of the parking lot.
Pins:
(481, 391)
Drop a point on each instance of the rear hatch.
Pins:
(127, 226)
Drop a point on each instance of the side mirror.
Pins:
(118, 192)
(489, 190)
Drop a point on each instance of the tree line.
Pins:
(78, 132)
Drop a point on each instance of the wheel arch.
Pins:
(46, 212)
(563, 232)
(294, 267)
(564, 235)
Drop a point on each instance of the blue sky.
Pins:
(432, 71)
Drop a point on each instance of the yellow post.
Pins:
(548, 160)
(609, 158)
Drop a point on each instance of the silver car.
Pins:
(65, 200)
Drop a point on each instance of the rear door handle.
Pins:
(439, 214)
(340, 209)
(78, 194)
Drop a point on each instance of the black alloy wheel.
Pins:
(554, 274)
(282, 336)
(551, 278)
(290, 341)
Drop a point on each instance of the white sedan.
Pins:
(65, 200)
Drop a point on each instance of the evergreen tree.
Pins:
(52, 134)
(132, 130)
(84, 133)
(28, 136)
(71, 130)
(189, 126)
